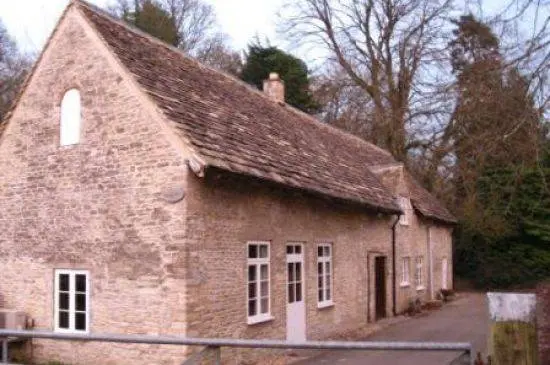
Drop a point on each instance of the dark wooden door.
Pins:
(380, 286)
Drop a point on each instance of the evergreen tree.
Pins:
(260, 61)
(501, 187)
(151, 18)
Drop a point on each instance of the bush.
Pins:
(503, 263)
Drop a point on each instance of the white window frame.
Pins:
(405, 271)
(295, 258)
(419, 273)
(406, 207)
(325, 287)
(257, 263)
(71, 118)
(72, 300)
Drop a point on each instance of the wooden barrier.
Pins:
(543, 322)
(513, 334)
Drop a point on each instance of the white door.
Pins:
(295, 308)
(431, 277)
(444, 271)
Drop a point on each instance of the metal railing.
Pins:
(214, 346)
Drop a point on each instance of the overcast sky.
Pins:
(31, 21)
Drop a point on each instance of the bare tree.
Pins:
(13, 68)
(196, 22)
(392, 50)
(344, 104)
(524, 28)
(197, 30)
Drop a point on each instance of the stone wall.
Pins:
(412, 241)
(224, 212)
(417, 238)
(99, 205)
(543, 322)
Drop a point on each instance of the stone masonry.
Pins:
(417, 239)
(98, 205)
(160, 265)
(224, 212)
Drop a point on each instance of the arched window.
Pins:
(70, 118)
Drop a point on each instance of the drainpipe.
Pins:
(394, 281)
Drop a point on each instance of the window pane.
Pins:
(320, 268)
(264, 305)
(263, 251)
(290, 272)
(320, 295)
(80, 321)
(327, 267)
(252, 290)
(289, 249)
(251, 273)
(320, 281)
(298, 249)
(64, 282)
(252, 251)
(319, 251)
(291, 291)
(64, 301)
(326, 250)
(70, 118)
(263, 272)
(80, 283)
(298, 292)
(264, 288)
(298, 271)
(252, 307)
(63, 319)
(329, 294)
(80, 302)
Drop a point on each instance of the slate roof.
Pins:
(426, 204)
(236, 128)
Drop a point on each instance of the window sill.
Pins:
(259, 319)
(325, 305)
(404, 285)
(74, 332)
(420, 288)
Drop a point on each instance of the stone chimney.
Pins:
(274, 87)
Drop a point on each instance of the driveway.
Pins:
(465, 320)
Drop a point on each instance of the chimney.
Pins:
(274, 87)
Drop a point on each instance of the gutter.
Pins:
(394, 281)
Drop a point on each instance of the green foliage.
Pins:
(260, 61)
(501, 184)
(151, 18)
(519, 255)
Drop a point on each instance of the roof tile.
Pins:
(236, 128)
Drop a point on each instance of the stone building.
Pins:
(144, 193)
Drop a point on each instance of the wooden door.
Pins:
(380, 286)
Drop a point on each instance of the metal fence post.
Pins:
(217, 355)
(4, 350)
